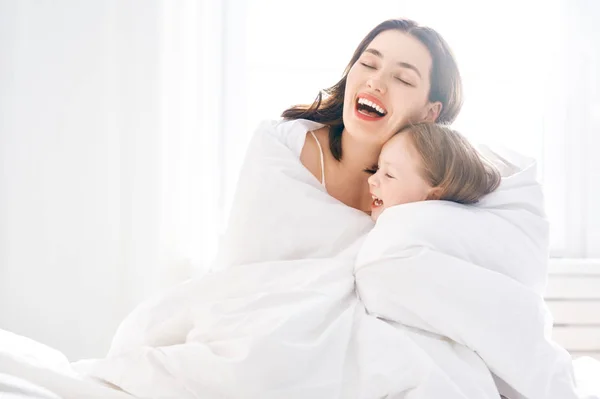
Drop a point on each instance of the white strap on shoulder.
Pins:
(322, 159)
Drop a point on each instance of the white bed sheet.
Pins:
(29, 369)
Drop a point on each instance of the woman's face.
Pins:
(398, 179)
(388, 87)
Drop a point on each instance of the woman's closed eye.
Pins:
(403, 81)
(366, 65)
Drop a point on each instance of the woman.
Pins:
(410, 73)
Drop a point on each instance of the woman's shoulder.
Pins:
(292, 133)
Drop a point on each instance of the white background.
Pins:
(123, 125)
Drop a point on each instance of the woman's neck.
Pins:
(358, 155)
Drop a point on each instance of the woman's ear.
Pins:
(432, 111)
(435, 193)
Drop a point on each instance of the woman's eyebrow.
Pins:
(377, 53)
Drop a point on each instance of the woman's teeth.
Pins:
(373, 107)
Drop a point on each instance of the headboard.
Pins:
(573, 295)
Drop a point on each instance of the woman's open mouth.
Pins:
(369, 109)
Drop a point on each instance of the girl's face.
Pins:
(398, 178)
(388, 87)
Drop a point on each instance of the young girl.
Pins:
(429, 161)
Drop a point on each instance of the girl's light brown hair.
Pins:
(451, 165)
(446, 84)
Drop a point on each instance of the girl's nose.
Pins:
(372, 180)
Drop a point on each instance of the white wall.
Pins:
(78, 135)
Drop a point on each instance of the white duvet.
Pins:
(438, 300)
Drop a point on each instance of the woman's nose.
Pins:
(374, 83)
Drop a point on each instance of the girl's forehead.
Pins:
(397, 141)
(399, 149)
(393, 148)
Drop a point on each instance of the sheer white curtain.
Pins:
(109, 143)
(530, 72)
(578, 130)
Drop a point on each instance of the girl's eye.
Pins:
(367, 65)
(372, 170)
(388, 175)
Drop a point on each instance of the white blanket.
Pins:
(439, 300)
(472, 275)
(280, 210)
